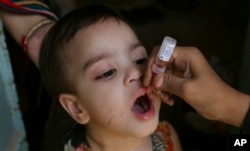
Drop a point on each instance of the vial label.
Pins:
(166, 48)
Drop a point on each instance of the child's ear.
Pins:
(69, 103)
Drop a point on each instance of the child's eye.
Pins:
(106, 74)
(140, 61)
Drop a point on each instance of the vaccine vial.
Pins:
(164, 55)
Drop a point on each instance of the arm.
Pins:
(21, 14)
(193, 79)
(25, 22)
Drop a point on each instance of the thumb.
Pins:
(168, 82)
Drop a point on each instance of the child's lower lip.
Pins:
(147, 115)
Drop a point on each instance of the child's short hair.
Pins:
(54, 58)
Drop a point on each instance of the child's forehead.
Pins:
(108, 36)
(104, 24)
(104, 32)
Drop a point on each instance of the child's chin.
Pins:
(147, 130)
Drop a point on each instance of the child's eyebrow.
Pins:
(106, 55)
(135, 45)
(95, 59)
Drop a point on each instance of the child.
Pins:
(92, 62)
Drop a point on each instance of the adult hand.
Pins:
(190, 77)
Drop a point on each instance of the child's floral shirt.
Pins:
(161, 140)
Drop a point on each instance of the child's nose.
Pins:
(133, 74)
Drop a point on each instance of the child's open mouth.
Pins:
(142, 104)
(144, 107)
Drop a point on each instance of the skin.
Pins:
(193, 79)
(25, 22)
(81, 112)
(105, 88)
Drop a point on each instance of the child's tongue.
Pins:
(138, 108)
(141, 105)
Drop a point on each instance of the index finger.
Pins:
(148, 72)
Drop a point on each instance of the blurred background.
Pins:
(217, 27)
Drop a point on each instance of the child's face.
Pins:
(107, 74)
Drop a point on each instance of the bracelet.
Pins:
(28, 34)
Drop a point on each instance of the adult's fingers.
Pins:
(148, 72)
(165, 97)
(168, 83)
